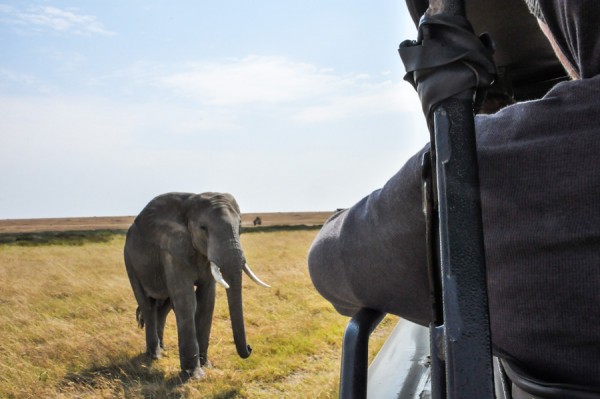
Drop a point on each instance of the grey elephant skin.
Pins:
(177, 248)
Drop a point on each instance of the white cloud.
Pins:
(10, 76)
(311, 93)
(252, 79)
(364, 100)
(224, 91)
(59, 128)
(11, 79)
(41, 18)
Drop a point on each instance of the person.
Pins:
(540, 191)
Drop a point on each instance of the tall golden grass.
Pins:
(68, 330)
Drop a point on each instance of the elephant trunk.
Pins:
(236, 312)
(227, 262)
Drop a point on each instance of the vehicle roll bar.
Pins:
(355, 353)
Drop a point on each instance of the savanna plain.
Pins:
(67, 322)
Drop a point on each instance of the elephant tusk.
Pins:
(216, 272)
(253, 276)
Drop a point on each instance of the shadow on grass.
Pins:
(230, 394)
(132, 378)
(129, 378)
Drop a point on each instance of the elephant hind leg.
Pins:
(149, 314)
(162, 312)
(138, 292)
(145, 314)
(139, 317)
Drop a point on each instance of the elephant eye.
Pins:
(204, 229)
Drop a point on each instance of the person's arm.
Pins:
(373, 254)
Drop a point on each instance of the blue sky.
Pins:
(288, 105)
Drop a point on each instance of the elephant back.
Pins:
(163, 216)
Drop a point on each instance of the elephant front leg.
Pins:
(184, 305)
(180, 276)
(205, 306)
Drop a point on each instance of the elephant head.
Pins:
(213, 221)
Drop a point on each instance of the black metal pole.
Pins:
(355, 353)
(467, 345)
(466, 337)
(436, 326)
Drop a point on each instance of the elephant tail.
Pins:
(139, 317)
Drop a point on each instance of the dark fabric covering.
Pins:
(540, 187)
(575, 26)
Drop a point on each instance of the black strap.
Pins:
(527, 386)
(448, 59)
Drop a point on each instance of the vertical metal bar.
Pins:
(462, 257)
(436, 327)
(355, 354)
(466, 347)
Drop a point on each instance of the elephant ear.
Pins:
(163, 217)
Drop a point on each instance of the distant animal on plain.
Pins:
(257, 221)
(175, 251)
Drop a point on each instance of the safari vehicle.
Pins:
(453, 358)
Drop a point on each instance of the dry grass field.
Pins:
(67, 321)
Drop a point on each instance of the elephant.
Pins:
(182, 241)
